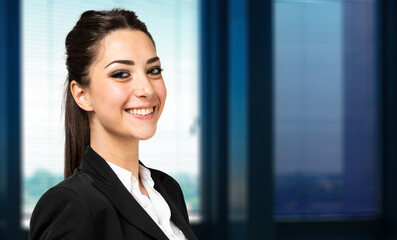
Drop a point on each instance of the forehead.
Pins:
(127, 45)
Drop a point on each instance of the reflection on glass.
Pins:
(174, 148)
(326, 125)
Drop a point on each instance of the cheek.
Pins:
(161, 91)
(109, 95)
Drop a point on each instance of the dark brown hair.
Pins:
(82, 44)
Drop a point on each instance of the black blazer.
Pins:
(94, 204)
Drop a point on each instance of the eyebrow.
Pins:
(130, 62)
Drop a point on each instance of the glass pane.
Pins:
(326, 122)
(174, 26)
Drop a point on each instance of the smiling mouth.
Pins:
(141, 111)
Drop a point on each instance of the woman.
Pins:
(114, 97)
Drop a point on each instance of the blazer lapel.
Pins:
(107, 182)
(176, 216)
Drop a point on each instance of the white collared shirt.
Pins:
(155, 205)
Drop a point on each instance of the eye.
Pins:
(121, 74)
(155, 70)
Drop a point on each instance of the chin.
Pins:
(146, 135)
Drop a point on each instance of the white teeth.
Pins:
(143, 111)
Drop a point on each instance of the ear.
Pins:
(81, 96)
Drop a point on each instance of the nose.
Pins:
(142, 87)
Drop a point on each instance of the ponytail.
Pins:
(77, 133)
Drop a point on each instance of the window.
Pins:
(174, 26)
(326, 109)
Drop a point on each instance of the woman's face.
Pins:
(126, 91)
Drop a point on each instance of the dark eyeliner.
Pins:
(119, 74)
(158, 68)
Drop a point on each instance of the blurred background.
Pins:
(279, 121)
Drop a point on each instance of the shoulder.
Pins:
(77, 188)
(70, 206)
(69, 189)
(55, 215)
(79, 180)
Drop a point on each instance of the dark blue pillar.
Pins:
(388, 44)
(251, 120)
(214, 118)
(10, 112)
(237, 103)
(260, 119)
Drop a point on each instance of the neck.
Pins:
(120, 151)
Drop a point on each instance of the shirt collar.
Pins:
(145, 175)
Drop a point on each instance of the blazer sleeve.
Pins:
(61, 214)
